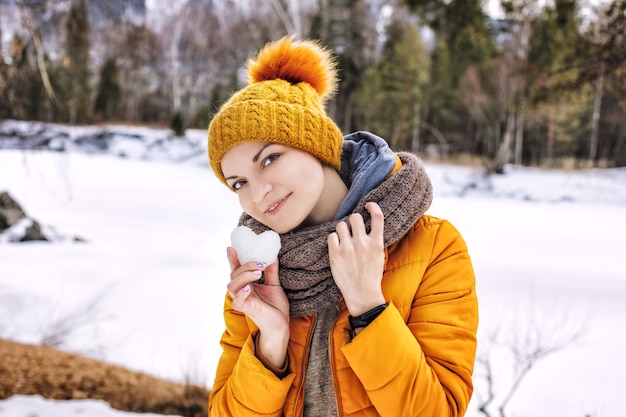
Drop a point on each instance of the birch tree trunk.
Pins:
(550, 137)
(519, 135)
(175, 65)
(595, 119)
(504, 151)
(32, 28)
(290, 15)
(415, 132)
(41, 66)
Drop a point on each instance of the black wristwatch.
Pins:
(367, 317)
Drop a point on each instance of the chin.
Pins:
(282, 227)
(285, 228)
(273, 226)
(281, 230)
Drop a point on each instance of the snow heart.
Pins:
(252, 247)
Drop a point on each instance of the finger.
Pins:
(378, 220)
(343, 232)
(233, 259)
(333, 241)
(240, 297)
(271, 274)
(357, 225)
(239, 281)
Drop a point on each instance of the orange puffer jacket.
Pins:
(415, 359)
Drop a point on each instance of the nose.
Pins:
(259, 190)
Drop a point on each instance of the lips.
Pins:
(276, 206)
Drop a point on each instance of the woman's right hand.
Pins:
(266, 304)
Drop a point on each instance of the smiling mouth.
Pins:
(276, 206)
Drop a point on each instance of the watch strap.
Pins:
(366, 318)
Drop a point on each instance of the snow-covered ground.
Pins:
(146, 288)
(37, 406)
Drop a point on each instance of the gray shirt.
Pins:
(319, 389)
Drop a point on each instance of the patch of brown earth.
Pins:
(42, 370)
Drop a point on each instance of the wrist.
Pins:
(272, 348)
(362, 320)
(280, 371)
(358, 307)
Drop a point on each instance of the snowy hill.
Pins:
(519, 183)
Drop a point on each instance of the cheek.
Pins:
(244, 201)
(249, 208)
(312, 179)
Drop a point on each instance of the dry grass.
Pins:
(42, 370)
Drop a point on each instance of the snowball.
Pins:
(252, 247)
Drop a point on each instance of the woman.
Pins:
(370, 309)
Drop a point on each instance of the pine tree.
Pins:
(109, 94)
(390, 98)
(462, 42)
(552, 48)
(77, 45)
(347, 27)
(177, 124)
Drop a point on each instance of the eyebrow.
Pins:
(258, 154)
(255, 158)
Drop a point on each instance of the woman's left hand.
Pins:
(357, 260)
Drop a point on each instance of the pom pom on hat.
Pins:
(295, 62)
(289, 83)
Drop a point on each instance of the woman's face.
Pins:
(278, 185)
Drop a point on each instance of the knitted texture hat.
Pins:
(284, 102)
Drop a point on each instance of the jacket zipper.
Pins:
(305, 363)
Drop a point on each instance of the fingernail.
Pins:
(261, 264)
(246, 288)
(228, 251)
(257, 272)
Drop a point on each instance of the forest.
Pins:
(543, 83)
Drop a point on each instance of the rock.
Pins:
(13, 217)
(10, 211)
(16, 226)
(33, 232)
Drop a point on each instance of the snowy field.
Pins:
(146, 288)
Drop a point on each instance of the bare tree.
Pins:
(56, 332)
(32, 14)
(204, 47)
(137, 49)
(520, 344)
(294, 15)
(496, 99)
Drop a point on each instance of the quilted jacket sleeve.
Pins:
(243, 385)
(427, 370)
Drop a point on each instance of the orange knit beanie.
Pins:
(284, 102)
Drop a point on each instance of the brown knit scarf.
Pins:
(305, 273)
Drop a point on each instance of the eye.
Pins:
(270, 158)
(237, 185)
